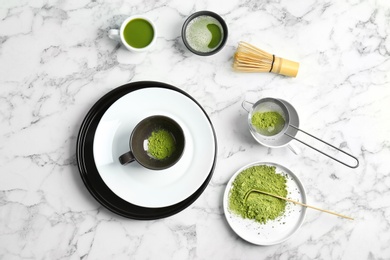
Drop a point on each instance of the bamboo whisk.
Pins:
(249, 58)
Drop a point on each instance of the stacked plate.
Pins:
(133, 191)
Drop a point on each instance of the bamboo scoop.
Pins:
(293, 201)
(249, 58)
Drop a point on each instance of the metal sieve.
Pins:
(288, 131)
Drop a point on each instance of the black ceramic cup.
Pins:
(210, 14)
(139, 138)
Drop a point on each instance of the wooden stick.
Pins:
(295, 202)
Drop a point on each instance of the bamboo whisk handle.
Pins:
(285, 67)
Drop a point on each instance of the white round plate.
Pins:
(275, 231)
(136, 184)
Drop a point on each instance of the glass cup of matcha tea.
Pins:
(137, 33)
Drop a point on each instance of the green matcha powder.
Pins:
(268, 123)
(161, 144)
(259, 207)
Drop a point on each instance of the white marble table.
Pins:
(56, 61)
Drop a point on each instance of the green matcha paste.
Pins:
(268, 123)
(161, 144)
(259, 207)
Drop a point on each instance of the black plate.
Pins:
(91, 176)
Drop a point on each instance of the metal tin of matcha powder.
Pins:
(258, 207)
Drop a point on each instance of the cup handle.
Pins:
(114, 34)
(126, 158)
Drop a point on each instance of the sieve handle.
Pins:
(334, 147)
(243, 105)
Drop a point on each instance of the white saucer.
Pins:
(136, 184)
(278, 230)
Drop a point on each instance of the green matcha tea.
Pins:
(161, 144)
(138, 33)
(204, 33)
(216, 35)
(259, 207)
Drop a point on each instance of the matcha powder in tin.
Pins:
(259, 207)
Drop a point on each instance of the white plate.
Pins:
(136, 184)
(275, 231)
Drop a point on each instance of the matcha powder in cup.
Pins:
(161, 144)
(259, 207)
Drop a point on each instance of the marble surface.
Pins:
(56, 61)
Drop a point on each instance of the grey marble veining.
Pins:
(56, 61)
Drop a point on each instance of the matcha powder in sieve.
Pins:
(259, 207)
(269, 123)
